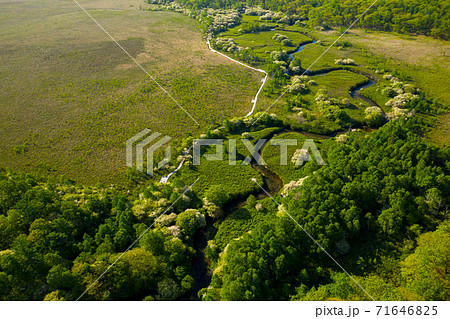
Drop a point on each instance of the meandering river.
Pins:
(272, 182)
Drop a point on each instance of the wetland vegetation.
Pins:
(375, 105)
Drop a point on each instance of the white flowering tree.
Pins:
(300, 156)
(374, 116)
(189, 221)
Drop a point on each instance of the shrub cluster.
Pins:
(284, 40)
(344, 62)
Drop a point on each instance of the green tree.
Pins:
(189, 221)
(217, 194)
(427, 270)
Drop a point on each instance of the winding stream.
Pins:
(272, 182)
(355, 93)
(300, 48)
(200, 270)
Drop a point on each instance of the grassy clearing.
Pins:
(261, 43)
(425, 59)
(441, 133)
(422, 60)
(338, 83)
(304, 108)
(235, 179)
(242, 221)
(290, 171)
(70, 98)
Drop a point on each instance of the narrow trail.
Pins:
(354, 93)
(165, 179)
(247, 66)
(201, 271)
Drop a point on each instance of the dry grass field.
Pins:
(70, 98)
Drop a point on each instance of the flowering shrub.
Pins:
(292, 185)
(285, 20)
(267, 16)
(279, 56)
(224, 20)
(279, 37)
(299, 88)
(388, 91)
(343, 138)
(401, 100)
(166, 220)
(173, 231)
(226, 44)
(398, 112)
(215, 20)
(374, 116)
(344, 62)
(256, 11)
(300, 155)
(372, 109)
(301, 78)
(284, 40)
(281, 63)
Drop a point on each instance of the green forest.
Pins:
(404, 16)
(368, 220)
(380, 206)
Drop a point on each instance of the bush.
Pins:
(299, 88)
(279, 56)
(388, 91)
(287, 43)
(189, 221)
(401, 100)
(374, 116)
(344, 62)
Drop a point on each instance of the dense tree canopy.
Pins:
(404, 16)
(375, 196)
(58, 238)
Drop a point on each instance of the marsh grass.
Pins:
(261, 43)
(73, 98)
(289, 172)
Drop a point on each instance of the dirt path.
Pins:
(247, 66)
